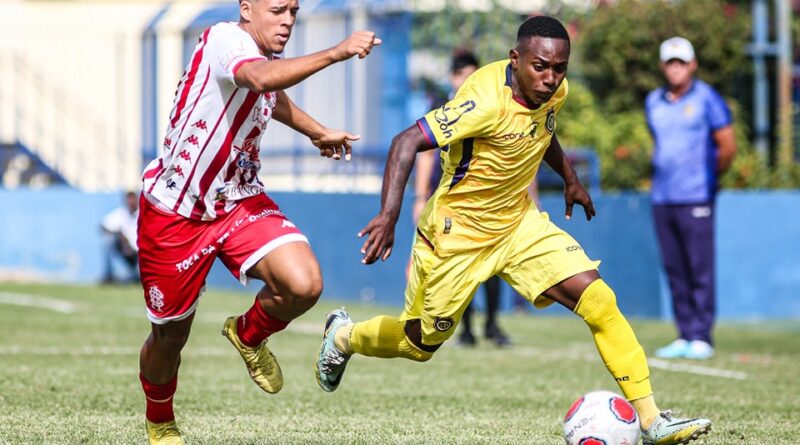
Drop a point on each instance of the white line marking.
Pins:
(696, 369)
(38, 301)
(577, 352)
(99, 351)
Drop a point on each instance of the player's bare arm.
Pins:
(273, 75)
(726, 141)
(426, 161)
(331, 143)
(574, 191)
(380, 231)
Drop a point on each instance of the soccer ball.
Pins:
(601, 418)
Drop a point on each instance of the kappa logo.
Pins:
(178, 170)
(167, 142)
(443, 324)
(550, 122)
(156, 298)
(184, 154)
(201, 124)
(193, 140)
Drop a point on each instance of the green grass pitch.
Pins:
(70, 377)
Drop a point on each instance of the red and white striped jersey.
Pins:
(210, 156)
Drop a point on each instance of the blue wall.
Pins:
(54, 234)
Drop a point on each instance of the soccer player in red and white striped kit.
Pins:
(202, 198)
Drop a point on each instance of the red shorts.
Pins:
(176, 253)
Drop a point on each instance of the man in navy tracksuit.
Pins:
(694, 144)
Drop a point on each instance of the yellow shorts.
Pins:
(533, 258)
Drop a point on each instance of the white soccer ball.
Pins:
(601, 418)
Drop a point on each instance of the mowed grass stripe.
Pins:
(483, 395)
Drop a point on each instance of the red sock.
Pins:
(159, 399)
(255, 325)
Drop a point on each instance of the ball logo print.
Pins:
(601, 418)
(622, 410)
(573, 409)
(592, 441)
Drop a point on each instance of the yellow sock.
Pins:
(623, 356)
(384, 336)
(646, 409)
(342, 339)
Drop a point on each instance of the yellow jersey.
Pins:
(491, 147)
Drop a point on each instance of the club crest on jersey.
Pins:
(446, 117)
(550, 121)
(443, 324)
(248, 157)
(156, 298)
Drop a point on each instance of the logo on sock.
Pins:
(443, 324)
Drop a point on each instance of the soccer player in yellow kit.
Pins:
(480, 222)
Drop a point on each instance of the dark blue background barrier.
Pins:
(54, 235)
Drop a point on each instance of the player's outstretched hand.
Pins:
(575, 193)
(380, 239)
(334, 143)
(360, 43)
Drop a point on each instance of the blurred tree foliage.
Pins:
(619, 46)
(614, 65)
(488, 34)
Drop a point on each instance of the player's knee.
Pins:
(419, 355)
(412, 346)
(596, 302)
(306, 291)
(170, 339)
(413, 352)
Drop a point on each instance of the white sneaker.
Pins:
(699, 350)
(676, 349)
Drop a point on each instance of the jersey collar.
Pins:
(516, 98)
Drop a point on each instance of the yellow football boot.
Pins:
(163, 433)
(261, 364)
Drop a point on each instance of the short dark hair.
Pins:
(463, 59)
(542, 26)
